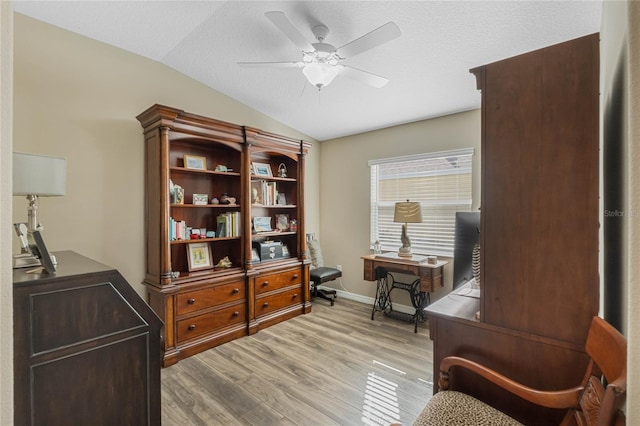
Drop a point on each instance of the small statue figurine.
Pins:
(255, 198)
(224, 263)
(227, 199)
(282, 170)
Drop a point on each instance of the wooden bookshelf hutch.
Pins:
(539, 229)
(202, 308)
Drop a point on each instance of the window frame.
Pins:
(435, 235)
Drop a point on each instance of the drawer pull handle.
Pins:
(236, 291)
(265, 304)
(191, 301)
(294, 277)
(236, 313)
(192, 327)
(295, 295)
(266, 283)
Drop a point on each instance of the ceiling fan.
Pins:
(321, 62)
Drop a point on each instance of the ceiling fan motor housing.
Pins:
(320, 32)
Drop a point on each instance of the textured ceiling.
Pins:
(428, 65)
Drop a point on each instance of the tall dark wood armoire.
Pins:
(539, 227)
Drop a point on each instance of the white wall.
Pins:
(6, 290)
(344, 183)
(78, 98)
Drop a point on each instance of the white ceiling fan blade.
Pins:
(271, 64)
(375, 38)
(364, 76)
(280, 20)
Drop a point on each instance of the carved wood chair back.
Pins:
(606, 383)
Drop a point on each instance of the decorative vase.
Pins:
(475, 264)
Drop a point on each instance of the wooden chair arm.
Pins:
(566, 398)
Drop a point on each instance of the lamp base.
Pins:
(405, 252)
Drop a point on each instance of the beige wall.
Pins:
(78, 98)
(620, 44)
(6, 291)
(633, 300)
(344, 183)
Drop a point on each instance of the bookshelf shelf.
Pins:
(204, 240)
(176, 169)
(204, 206)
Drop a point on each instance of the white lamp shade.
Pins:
(39, 175)
(320, 74)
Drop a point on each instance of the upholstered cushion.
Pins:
(322, 275)
(316, 254)
(453, 408)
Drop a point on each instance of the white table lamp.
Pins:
(38, 176)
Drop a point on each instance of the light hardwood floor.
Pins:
(334, 366)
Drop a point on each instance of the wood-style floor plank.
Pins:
(334, 366)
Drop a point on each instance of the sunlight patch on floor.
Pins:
(380, 405)
(388, 367)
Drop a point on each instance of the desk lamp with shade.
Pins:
(406, 212)
(35, 176)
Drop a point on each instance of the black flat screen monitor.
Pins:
(467, 234)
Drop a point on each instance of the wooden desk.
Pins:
(524, 357)
(378, 267)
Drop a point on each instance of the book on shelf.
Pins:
(268, 193)
(178, 230)
(228, 225)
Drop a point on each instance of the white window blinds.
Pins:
(440, 181)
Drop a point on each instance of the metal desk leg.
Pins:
(382, 301)
(419, 300)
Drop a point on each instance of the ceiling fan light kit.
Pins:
(320, 74)
(321, 61)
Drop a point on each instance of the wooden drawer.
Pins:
(208, 297)
(430, 279)
(277, 301)
(278, 280)
(209, 322)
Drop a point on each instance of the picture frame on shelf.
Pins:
(177, 195)
(195, 162)
(199, 256)
(262, 169)
(282, 222)
(262, 224)
(200, 199)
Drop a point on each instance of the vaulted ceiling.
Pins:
(428, 65)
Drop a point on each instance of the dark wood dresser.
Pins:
(86, 347)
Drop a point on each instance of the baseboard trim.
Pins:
(368, 300)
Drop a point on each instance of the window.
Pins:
(440, 181)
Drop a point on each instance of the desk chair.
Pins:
(319, 273)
